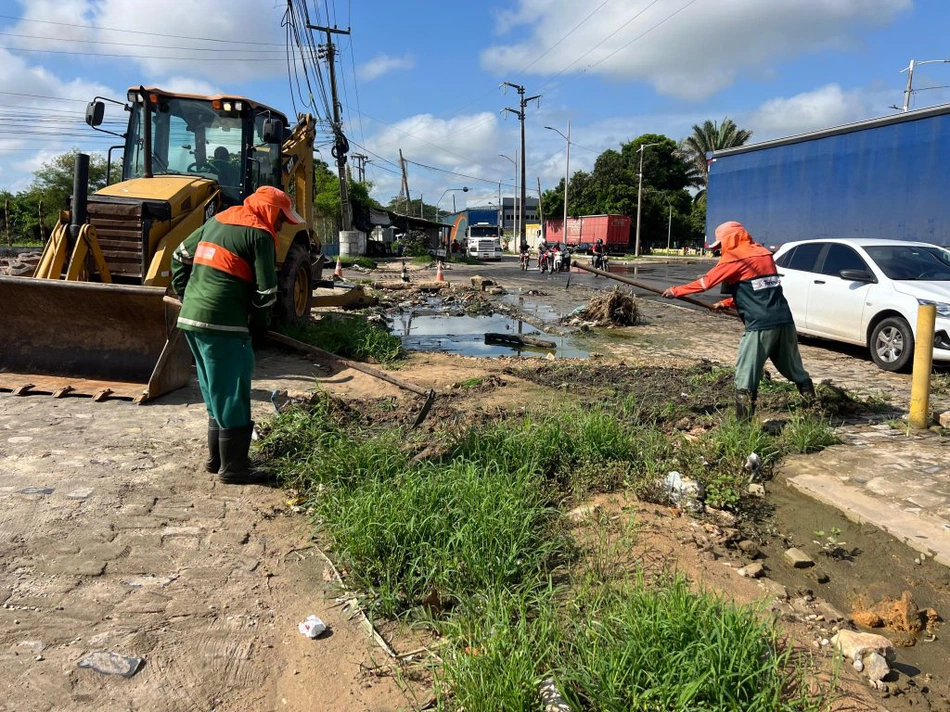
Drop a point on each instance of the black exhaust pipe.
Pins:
(79, 214)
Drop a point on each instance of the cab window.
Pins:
(264, 158)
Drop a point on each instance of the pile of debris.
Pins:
(614, 308)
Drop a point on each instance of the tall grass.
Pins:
(352, 337)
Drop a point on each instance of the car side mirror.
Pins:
(857, 275)
(95, 111)
(273, 131)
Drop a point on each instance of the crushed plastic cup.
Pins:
(109, 663)
(312, 627)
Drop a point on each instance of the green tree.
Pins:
(53, 182)
(710, 137)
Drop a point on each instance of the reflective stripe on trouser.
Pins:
(780, 345)
(224, 365)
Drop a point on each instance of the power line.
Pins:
(139, 56)
(569, 33)
(138, 32)
(456, 173)
(135, 44)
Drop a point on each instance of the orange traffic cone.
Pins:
(338, 272)
(439, 277)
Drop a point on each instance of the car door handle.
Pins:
(819, 281)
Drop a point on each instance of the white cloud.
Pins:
(383, 64)
(134, 28)
(691, 54)
(820, 108)
(188, 85)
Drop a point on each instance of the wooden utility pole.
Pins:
(6, 222)
(405, 181)
(42, 229)
(521, 114)
(341, 146)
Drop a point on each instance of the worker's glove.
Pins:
(669, 294)
(720, 305)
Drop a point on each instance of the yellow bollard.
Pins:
(923, 364)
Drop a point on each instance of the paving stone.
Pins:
(74, 566)
(81, 493)
(104, 552)
(754, 570)
(944, 419)
(137, 522)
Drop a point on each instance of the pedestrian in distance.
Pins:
(748, 273)
(226, 277)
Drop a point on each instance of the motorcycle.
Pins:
(600, 262)
(558, 261)
(543, 262)
(525, 259)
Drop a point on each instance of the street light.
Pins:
(514, 199)
(669, 227)
(636, 248)
(910, 77)
(567, 172)
(464, 189)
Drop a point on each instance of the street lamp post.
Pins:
(464, 189)
(514, 200)
(567, 174)
(910, 77)
(669, 229)
(636, 248)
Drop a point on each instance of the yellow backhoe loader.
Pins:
(91, 320)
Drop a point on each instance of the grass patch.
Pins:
(807, 433)
(636, 646)
(422, 260)
(364, 262)
(350, 337)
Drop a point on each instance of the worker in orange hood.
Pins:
(747, 272)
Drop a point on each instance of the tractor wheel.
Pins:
(294, 292)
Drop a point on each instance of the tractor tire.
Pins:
(294, 292)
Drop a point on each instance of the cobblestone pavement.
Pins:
(113, 538)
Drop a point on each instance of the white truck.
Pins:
(483, 242)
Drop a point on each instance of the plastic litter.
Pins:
(312, 627)
(753, 463)
(107, 663)
(684, 492)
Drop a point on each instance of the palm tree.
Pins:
(709, 137)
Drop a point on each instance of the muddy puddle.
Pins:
(465, 335)
(865, 567)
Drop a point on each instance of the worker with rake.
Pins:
(748, 273)
(225, 274)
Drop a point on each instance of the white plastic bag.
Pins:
(312, 627)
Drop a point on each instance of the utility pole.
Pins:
(636, 248)
(523, 102)
(361, 159)
(405, 180)
(341, 146)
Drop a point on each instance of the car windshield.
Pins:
(912, 262)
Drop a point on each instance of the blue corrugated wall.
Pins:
(888, 181)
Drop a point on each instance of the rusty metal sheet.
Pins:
(116, 334)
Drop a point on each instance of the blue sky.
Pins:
(424, 75)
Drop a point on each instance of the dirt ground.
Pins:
(113, 538)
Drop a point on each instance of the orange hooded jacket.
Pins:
(745, 262)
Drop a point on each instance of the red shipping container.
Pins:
(614, 230)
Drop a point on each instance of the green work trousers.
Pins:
(224, 365)
(780, 345)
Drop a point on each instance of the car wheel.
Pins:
(294, 294)
(892, 344)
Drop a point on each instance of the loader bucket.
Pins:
(91, 339)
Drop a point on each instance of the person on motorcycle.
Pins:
(598, 250)
(525, 256)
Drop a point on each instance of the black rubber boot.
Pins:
(213, 463)
(807, 390)
(234, 445)
(745, 404)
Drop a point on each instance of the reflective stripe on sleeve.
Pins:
(223, 260)
(216, 327)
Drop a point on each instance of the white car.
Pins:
(866, 291)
